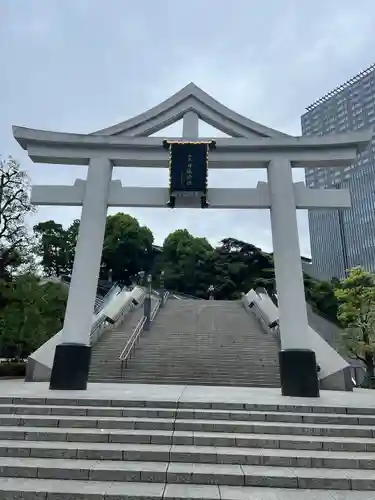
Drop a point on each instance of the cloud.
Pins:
(79, 66)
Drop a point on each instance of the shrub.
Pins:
(12, 369)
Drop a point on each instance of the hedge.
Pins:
(12, 369)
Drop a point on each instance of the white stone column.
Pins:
(190, 125)
(82, 292)
(287, 258)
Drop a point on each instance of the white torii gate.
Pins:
(252, 145)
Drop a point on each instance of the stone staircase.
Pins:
(205, 343)
(70, 449)
(105, 353)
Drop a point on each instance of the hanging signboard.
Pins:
(188, 169)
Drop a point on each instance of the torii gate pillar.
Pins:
(298, 367)
(75, 351)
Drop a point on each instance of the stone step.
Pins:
(158, 446)
(177, 370)
(178, 358)
(170, 371)
(175, 362)
(228, 451)
(269, 441)
(193, 378)
(209, 366)
(241, 352)
(155, 379)
(137, 375)
(108, 349)
(94, 470)
(154, 412)
(54, 489)
(196, 343)
(89, 402)
(181, 424)
(189, 473)
(105, 373)
(278, 477)
(231, 349)
(176, 380)
(226, 349)
(148, 366)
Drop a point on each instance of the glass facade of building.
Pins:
(343, 238)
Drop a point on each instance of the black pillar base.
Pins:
(298, 373)
(71, 366)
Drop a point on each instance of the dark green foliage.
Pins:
(356, 312)
(12, 368)
(32, 311)
(53, 247)
(127, 248)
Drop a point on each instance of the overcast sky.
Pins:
(82, 65)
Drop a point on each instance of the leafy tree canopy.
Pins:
(14, 208)
(127, 247)
(32, 312)
(356, 312)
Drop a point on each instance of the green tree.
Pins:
(15, 206)
(56, 246)
(188, 263)
(267, 280)
(71, 242)
(34, 311)
(127, 248)
(243, 266)
(356, 312)
(321, 296)
(52, 247)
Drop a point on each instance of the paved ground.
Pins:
(360, 398)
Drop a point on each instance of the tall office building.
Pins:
(343, 238)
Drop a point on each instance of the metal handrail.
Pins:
(126, 352)
(130, 345)
(155, 309)
(132, 342)
(133, 339)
